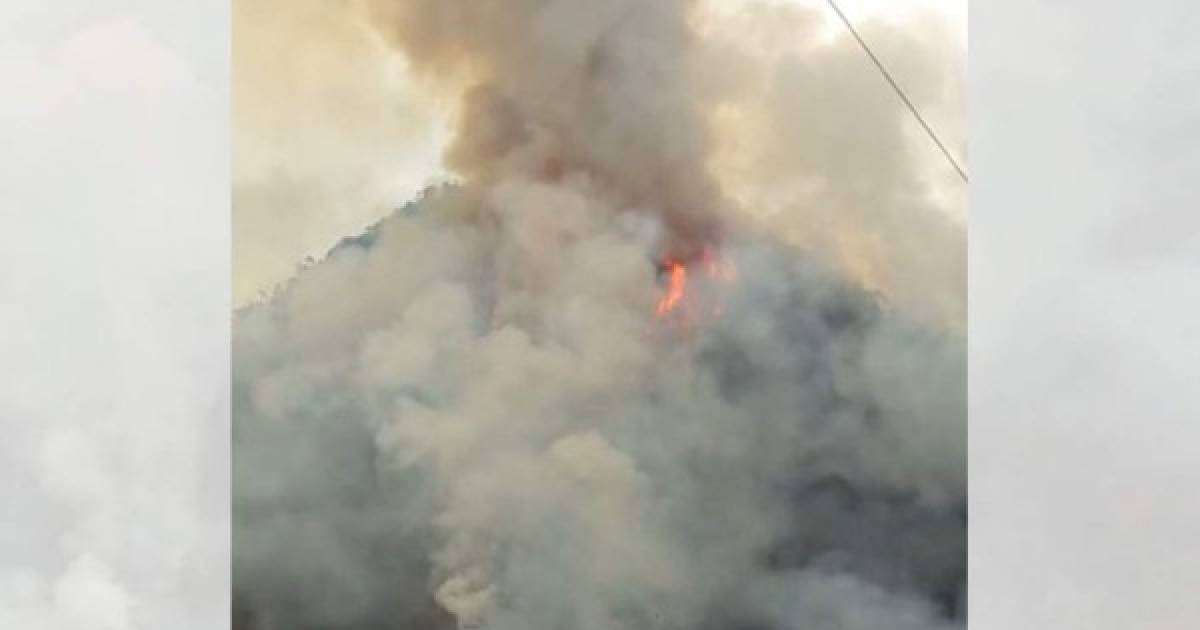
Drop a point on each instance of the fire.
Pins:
(677, 299)
(677, 285)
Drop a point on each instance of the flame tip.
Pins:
(677, 270)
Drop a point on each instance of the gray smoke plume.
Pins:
(471, 416)
(610, 89)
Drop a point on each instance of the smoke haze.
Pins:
(470, 415)
(326, 135)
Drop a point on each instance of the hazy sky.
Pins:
(1085, 254)
(114, 258)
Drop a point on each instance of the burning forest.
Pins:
(580, 388)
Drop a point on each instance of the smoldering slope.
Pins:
(470, 415)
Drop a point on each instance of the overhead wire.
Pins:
(899, 92)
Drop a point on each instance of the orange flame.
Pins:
(675, 289)
(676, 297)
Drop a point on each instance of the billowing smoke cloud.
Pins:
(612, 90)
(813, 142)
(470, 414)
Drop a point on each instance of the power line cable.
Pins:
(899, 92)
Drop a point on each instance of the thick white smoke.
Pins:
(471, 415)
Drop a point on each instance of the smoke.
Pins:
(470, 415)
(612, 89)
(817, 146)
(327, 137)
